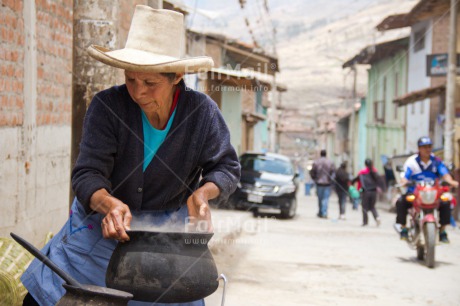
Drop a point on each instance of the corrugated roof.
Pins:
(374, 53)
(423, 10)
(393, 22)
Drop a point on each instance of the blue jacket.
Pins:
(416, 170)
(112, 152)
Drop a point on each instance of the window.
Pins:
(379, 106)
(419, 40)
(379, 111)
(262, 163)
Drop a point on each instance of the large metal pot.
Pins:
(163, 267)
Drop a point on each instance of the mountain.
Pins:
(313, 39)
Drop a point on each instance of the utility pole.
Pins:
(351, 126)
(95, 22)
(273, 117)
(273, 110)
(451, 83)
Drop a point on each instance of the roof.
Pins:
(245, 76)
(246, 55)
(374, 53)
(253, 117)
(423, 10)
(420, 95)
(393, 22)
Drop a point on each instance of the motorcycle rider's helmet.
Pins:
(424, 141)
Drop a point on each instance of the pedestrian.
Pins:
(355, 196)
(322, 173)
(368, 183)
(149, 145)
(342, 181)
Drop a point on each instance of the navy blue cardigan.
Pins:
(196, 150)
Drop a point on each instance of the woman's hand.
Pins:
(117, 215)
(198, 207)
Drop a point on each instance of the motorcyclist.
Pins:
(419, 167)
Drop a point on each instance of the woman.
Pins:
(342, 180)
(150, 145)
(367, 180)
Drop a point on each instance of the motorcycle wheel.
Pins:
(430, 243)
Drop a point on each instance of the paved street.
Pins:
(312, 261)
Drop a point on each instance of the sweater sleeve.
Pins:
(218, 158)
(97, 152)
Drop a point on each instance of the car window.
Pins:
(266, 164)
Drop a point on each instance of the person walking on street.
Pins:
(342, 180)
(355, 196)
(367, 180)
(322, 173)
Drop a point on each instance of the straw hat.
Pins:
(153, 45)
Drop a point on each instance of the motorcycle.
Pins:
(423, 229)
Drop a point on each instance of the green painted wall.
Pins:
(231, 111)
(261, 128)
(387, 80)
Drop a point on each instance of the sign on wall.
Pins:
(437, 64)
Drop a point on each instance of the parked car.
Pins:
(268, 184)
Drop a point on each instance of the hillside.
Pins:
(314, 38)
(311, 61)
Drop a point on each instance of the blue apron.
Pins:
(80, 250)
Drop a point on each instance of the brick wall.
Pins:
(35, 115)
(54, 60)
(11, 63)
(440, 42)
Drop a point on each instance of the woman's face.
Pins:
(151, 91)
(425, 151)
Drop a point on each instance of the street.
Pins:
(312, 261)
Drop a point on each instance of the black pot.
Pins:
(163, 267)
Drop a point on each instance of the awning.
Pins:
(423, 10)
(420, 95)
(252, 117)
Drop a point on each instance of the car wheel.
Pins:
(255, 212)
(290, 211)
